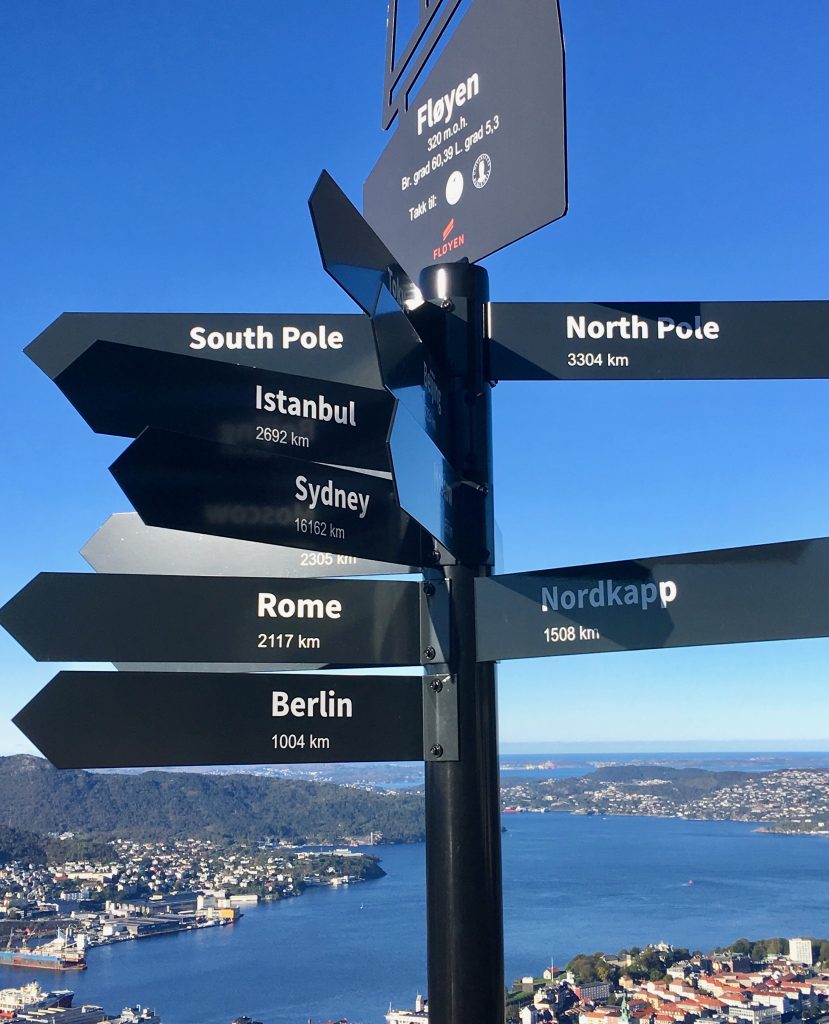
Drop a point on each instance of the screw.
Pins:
(435, 555)
(437, 685)
(447, 304)
(430, 653)
(436, 750)
(429, 589)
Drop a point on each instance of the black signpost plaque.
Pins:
(92, 617)
(186, 483)
(658, 340)
(478, 161)
(121, 389)
(325, 346)
(734, 595)
(351, 251)
(412, 371)
(124, 544)
(140, 719)
(427, 485)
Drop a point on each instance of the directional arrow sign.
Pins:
(411, 371)
(186, 483)
(89, 617)
(323, 346)
(658, 340)
(121, 389)
(427, 485)
(736, 595)
(141, 720)
(479, 160)
(352, 253)
(125, 545)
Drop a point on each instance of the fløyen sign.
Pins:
(479, 158)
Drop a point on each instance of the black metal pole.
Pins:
(463, 822)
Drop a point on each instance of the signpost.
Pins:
(351, 252)
(123, 544)
(658, 340)
(121, 389)
(102, 617)
(731, 596)
(476, 162)
(185, 483)
(479, 160)
(140, 719)
(331, 347)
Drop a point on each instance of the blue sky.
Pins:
(158, 157)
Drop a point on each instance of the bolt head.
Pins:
(430, 653)
(436, 750)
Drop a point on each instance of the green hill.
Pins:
(152, 805)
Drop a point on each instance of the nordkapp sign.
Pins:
(608, 594)
(733, 595)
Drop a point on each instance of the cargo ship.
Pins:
(61, 954)
(31, 997)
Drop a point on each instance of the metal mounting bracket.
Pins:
(440, 717)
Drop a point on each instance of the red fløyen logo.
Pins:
(449, 243)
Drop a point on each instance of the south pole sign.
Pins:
(329, 347)
(389, 463)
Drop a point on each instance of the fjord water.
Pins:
(571, 884)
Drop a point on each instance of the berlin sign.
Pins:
(195, 719)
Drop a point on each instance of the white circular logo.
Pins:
(481, 170)
(454, 187)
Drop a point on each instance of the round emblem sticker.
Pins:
(454, 187)
(481, 170)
